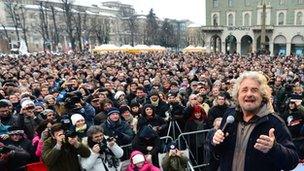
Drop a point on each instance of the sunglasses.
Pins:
(29, 108)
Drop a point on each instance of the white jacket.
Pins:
(94, 162)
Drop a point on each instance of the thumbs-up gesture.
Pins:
(265, 142)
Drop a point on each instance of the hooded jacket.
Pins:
(146, 166)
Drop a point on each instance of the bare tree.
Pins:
(67, 8)
(151, 29)
(80, 23)
(5, 32)
(44, 30)
(7, 38)
(130, 18)
(23, 24)
(100, 27)
(55, 34)
(11, 8)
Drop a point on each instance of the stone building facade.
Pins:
(235, 26)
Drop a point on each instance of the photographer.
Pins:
(294, 119)
(105, 153)
(174, 159)
(27, 120)
(18, 151)
(115, 127)
(61, 152)
(75, 104)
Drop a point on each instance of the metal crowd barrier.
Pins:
(197, 152)
(183, 143)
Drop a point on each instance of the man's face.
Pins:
(140, 93)
(135, 109)
(98, 137)
(114, 117)
(14, 99)
(5, 111)
(249, 95)
(15, 137)
(221, 100)
(171, 99)
(50, 116)
(44, 91)
(29, 110)
(154, 98)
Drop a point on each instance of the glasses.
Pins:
(194, 99)
(29, 108)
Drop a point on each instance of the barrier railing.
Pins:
(195, 141)
(183, 142)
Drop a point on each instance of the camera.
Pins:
(110, 139)
(72, 98)
(103, 147)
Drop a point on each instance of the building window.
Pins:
(230, 3)
(230, 20)
(300, 1)
(247, 20)
(299, 18)
(215, 3)
(282, 2)
(281, 18)
(247, 2)
(215, 20)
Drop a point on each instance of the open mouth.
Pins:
(250, 101)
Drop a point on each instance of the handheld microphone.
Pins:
(229, 120)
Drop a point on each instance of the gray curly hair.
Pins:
(264, 89)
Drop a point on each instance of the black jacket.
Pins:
(282, 156)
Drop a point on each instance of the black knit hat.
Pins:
(112, 110)
(5, 103)
(124, 108)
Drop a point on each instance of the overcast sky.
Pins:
(193, 10)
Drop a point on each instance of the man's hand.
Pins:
(96, 148)
(264, 143)
(218, 137)
(112, 142)
(59, 138)
(74, 141)
(149, 148)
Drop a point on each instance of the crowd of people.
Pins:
(75, 111)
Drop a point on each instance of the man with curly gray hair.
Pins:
(258, 139)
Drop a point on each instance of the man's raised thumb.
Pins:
(271, 133)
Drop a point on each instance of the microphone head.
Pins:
(230, 119)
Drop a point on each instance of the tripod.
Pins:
(172, 125)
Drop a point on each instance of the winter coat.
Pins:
(96, 162)
(119, 130)
(64, 159)
(146, 166)
(174, 163)
(156, 121)
(22, 155)
(282, 156)
(216, 112)
(28, 124)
